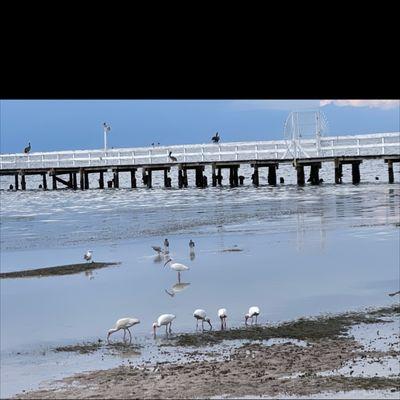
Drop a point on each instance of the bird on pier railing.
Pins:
(125, 324)
(28, 148)
(171, 157)
(215, 138)
(253, 312)
(88, 255)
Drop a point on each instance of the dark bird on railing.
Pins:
(28, 148)
(215, 138)
(171, 157)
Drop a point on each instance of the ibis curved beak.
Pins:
(167, 262)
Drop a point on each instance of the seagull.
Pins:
(125, 324)
(88, 255)
(253, 312)
(178, 287)
(171, 157)
(200, 314)
(223, 314)
(164, 319)
(177, 267)
(28, 148)
(393, 294)
(215, 138)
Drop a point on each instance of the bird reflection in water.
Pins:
(178, 287)
(191, 250)
(89, 274)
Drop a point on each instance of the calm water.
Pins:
(305, 251)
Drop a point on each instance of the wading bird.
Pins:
(253, 312)
(125, 324)
(177, 267)
(164, 319)
(166, 246)
(28, 148)
(222, 314)
(200, 314)
(88, 255)
(171, 157)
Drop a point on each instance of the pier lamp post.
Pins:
(106, 129)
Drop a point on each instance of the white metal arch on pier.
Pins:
(378, 144)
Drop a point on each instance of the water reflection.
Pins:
(177, 288)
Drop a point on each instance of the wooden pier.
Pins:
(71, 169)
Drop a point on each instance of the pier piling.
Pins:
(44, 181)
(355, 172)
(390, 171)
(213, 175)
(255, 177)
(116, 179)
(300, 175)
(272, 175)
(23, 182)
(81, 179)
(86, 180)
(16, 181)
(180, 177)
(101, 180)
(338, 171)
(133, 178)
(54, 186)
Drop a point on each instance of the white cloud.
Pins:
(275, 104)
(384, 104)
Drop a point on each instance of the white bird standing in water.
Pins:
(201, 315)
(177, 267)
(222, 314)
(253, 312)
(164, 319)
(125, 324)
(88, 255)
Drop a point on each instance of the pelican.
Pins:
(125, 324)
(28, 148)
(215, 138)
(253, 312)
(222, 314)
(177, 267)
(171, 157)
(166, 246)
(164, 319)
(200, 314)
(178, 287)
(88, 255)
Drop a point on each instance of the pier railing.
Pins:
(372, 144)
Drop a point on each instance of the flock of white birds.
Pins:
(166, 319)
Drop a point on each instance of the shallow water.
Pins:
(305, 251)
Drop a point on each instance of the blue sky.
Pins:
(77, 124)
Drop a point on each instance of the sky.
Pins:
(52, 125)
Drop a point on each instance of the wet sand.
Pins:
(253, 369)
(57, 271)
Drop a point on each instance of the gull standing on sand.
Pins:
(177, 267)
(164, 319)
(253, 312)
(88, 255)
(223, 314)
(125, 324)
(201, 315)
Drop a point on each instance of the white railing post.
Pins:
(358, 147)
(383, 144)
(236, 153)
(133, 157)
(73, 159)
(276, 151)
(219, 152)
(256, 152)
(184, 154)
(202, 153)
(58, 160)
(150, 159)
(119, 158)
(332, 151)
(90, 160)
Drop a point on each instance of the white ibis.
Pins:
(88, 255)
(166, 246)
(222, 314)
(253, 312)
(28, 148)
(201, 315)
(164, 319)
(178, 287)
(125, 324)
(171, 157)
(177, 267)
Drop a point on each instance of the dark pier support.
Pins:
(219, 177)
(133, 178)
(16, 181)
(185, 178)
(314, 174)
(74, 181)
(300, 175)
(116, 179)
(23, 182)
(86, 180)
(355, 172)
(213, 175)
(338, 171)
(390, 171)
(272, 175)
(101, 180)
(149, 176)
(70, 184)
(233, 176)
(199, 177)
(180, 177)
(54, 178)
(81, 178)
(44, 181)
(256, 176)
(167, 179)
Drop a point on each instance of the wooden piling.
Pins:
(116, 179)
(199, 177)
(74, 181)
(314, 174)
(167, 182)
(81, 178)
(101, 180)
(16, 181)
(219, 177)
(133, 178)
(54, 181)
(390, 171)
(86, 180)
(149, 173)
(256, 177)
(44, 181)
(300, 175)
(70, 184)
(23, 182)
(213, 175)
(185, 178)
(355, 171)
(272, 175)
(338, 171)
(180, 177)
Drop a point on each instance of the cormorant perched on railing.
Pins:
(215, 138)
(28, 148)
(171, 157)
